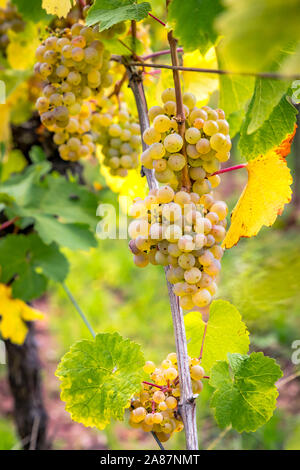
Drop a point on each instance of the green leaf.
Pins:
(225, 333)
(246, 394)
(108, 13)
(98, 378)
(193, 22)
(62, 211)
(30, 263)
(272, 132)
(37, 154)
(74, 236)
(30, 13)
(267, 95)
(256, 31)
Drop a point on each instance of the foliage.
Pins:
(225, 333)
(266, 193)
(57, 7)
(61, 211)
(245, 395)
(14, 315)
(99, 377)
(193, 23)
(28, 263)
(107, 13)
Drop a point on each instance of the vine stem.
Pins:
(160, 53)
(231, 168)
(84, 318)
(187, 406)
(8, 223)
(267, 75)
(157, 19)
(180, 116)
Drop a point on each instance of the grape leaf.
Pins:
(225, 333)
(30, 263)
(14, 314)
(271, 133)
(58, 7)
(98, 378)
(267, 95)
(62, 211)
(193, 22)
(74, 236)
(246, 394)
(267, 191)
(256, 31)
(35, 14)
(108, 13)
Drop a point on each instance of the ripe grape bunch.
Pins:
(74, 65)
(155, 408)
(119, 135)
(183, 231)
(10, 20)
(205, 145)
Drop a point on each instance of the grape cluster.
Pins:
(10, 20)
(184, 231)
(119, 135)
(74, 64)
(155, 408)
(205, 145)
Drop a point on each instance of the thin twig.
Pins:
(269, 75)
(202, 344)
(180, 116)
(231, 168)
(87, 323)
(216, 441)
(158, 441)
(187, 405)
(135, 57)
(160, 53)
(157, 19)
(118, 86)
(288, 379)
(8, 223)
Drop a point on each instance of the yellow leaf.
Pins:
(57, 7)
(130, 187)
(267, 191)
(15, 313)
(22, 47)
(201, 84)
(4, 119)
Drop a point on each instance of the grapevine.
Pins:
(101, 113)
